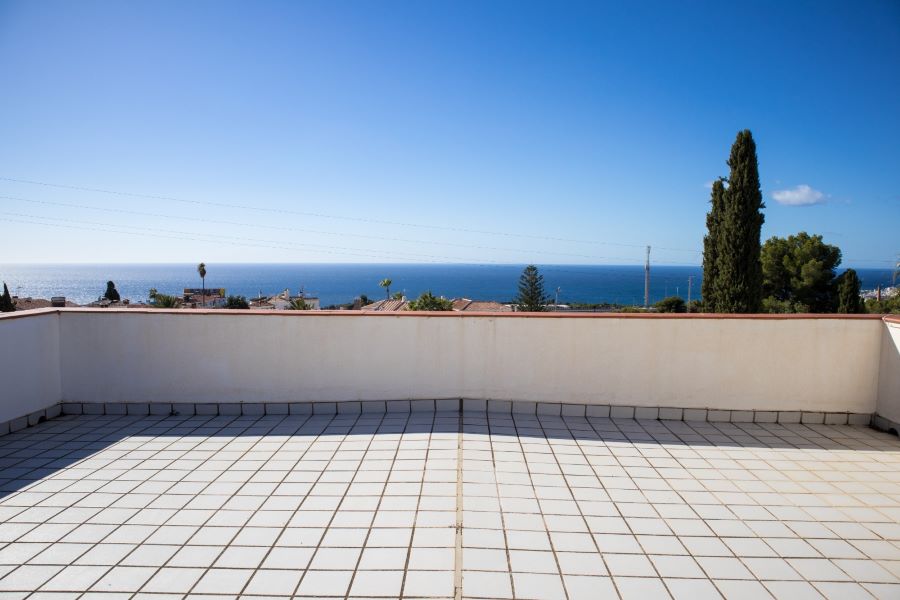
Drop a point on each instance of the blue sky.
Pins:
(455, 132)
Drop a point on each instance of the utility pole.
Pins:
(690, 282)
(557, 296)
(647, 280)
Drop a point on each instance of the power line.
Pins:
(356, 219)
(568, 269)
(176, 237)
(295, 229)
(330, 216)
(194, 236)
(239, 240)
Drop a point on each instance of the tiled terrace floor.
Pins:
(416, 505)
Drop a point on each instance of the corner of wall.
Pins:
(59, 356)
(887, 407)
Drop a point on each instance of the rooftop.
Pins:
(448, 504)
(155, 455)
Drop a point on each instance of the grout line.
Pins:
(365, 541)
(138, 483)
(249, 426)
(491, 439)
(327, 527)
(575, 499)
(125, 420)
(535, 421)
(412, 535)
(232, 495)
(458, 554)
(717, 441)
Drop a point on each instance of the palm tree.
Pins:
(386, 284)
(166, 301)
(201, 269)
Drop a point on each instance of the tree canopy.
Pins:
(889, 305)
(672, 304)
(531, 296)
(428, 301)
(386, 284)
(299, 304)
(164, 300)
(799, 274)
(236, 302)
(111, 294)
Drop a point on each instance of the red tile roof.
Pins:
(464, 304)
(390, 305)
(34, 303)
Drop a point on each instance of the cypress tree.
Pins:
(738, 286)
(848, 300)
(531, 291)
(710, 246)
(6, 301)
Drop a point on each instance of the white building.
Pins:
(284, 300)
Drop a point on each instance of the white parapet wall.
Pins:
(888, 407)
(730, 363)
(29, 367)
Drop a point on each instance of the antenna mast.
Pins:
(647, 280)
(690, 282)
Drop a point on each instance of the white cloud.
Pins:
(802, 195)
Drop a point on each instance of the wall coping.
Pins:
(449, 314)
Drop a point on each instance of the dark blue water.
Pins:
(339, 283)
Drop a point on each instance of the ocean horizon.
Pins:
(337, 283)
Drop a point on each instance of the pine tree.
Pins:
(738, 285)
(6, 301)
(710, 247)
(531, 291)
(799, 274)
(848, 300)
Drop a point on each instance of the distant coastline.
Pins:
(341, 283)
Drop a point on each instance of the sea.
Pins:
(336, 284)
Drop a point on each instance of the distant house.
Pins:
(34, 303)
(283, 301)
(389, 305)
(261, 304)
(104, 303)
(198, 297)
(459, 305)
(466, 305)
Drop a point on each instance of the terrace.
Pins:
(216, 454)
